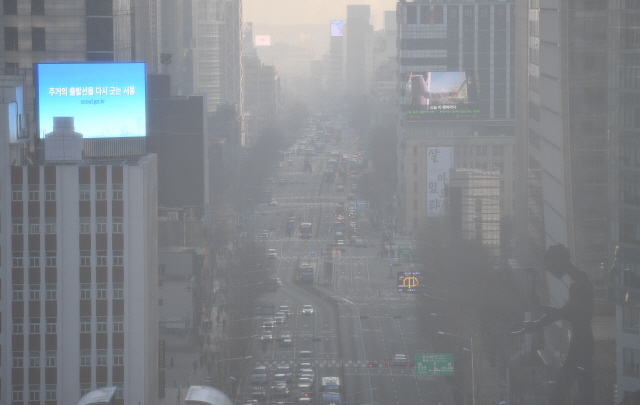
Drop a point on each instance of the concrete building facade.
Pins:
(79, 298)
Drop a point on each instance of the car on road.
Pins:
(259, 375)
(264, 234)
(304, 354)
(285, 309)
(273, 203)
(400, 360)
(307, 309)
(282, 182)
(271, 254)
(280, 317)
(305, 383)
(266, 336)
(359, 243)
(340, 244)
(283, 378)
(283, 369)
(289, 162)
(286, 342)
(340, 188)
(278, 282)
(351, 196)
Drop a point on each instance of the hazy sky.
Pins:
(294, 12)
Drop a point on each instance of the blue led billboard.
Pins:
(106, 100)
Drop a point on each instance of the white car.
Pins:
(271, 254)
(273, 203)
(280, 317)
(264, 234)
(307, 309)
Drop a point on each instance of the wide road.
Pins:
(360, 318)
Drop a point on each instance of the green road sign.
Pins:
(406, 254)
(434, 364)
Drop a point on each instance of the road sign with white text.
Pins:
(434, 364)
(362, 205)
(313, 254)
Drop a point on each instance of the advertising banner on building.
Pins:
(439, 161)
(440, 95)
(336, 27)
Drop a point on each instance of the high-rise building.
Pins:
(336, 57)
(624, 190)
(358, 51)
(455, 80)
(79, 273)
(262, 97)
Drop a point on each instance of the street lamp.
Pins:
(473, 386)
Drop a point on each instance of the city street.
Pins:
(359, 316)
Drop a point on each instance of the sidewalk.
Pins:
(180, 355)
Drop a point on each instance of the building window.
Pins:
(50, 392)
(18, 326)
(101, 258)
(117, 225)
(34, 325)
(85, 258)
(85, 225)
(630, 362)
(34, 225)
(118, 292)
(119, 390)
(412, 15)
(85, 291)
(415, 205)
(16, 226)
(34, 292)
(101, 324)
(11, 39)
(51, 292)
(34, 359)
(16, 192)
(10, 68)
(117, 191)
(630, 319)
(118, 358)
(16, 393)
(50, 225)
(85, 357)
(101, 191)
(101, 359)
(101, 292)
(85, 389)
(17, 259)
(34, 259)
(85, 192)
(415, 168)
(101, 225)
(85, 324)
(50, 192)
(415, 186)
(10, 7)
(50, 359)
(118, 257)
(18, 360)
(51, 259)
(34, 192)
(118, 324)
(18, 292)
(34, 392)
(52, 325)
(38, 42)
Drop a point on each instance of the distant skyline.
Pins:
(294, 12)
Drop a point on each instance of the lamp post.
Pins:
(473, 386)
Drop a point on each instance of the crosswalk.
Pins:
(338, 258)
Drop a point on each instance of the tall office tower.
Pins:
(217, 29)
(145, 34)
(455, 80)
(358, 58)
(248, 49)
(79, 272)
(171, 46)
(337, 55)
(624, 194)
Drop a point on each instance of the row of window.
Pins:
(35, 359)
(10, 7)
(101, 357)
(34, 393)
(51, 291)
(17, 225)
(51, 259)
(117, 258)
(50, 192)
(38, 42)
(51, 325)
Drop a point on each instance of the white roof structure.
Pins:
(203, 395)
(98, 397)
